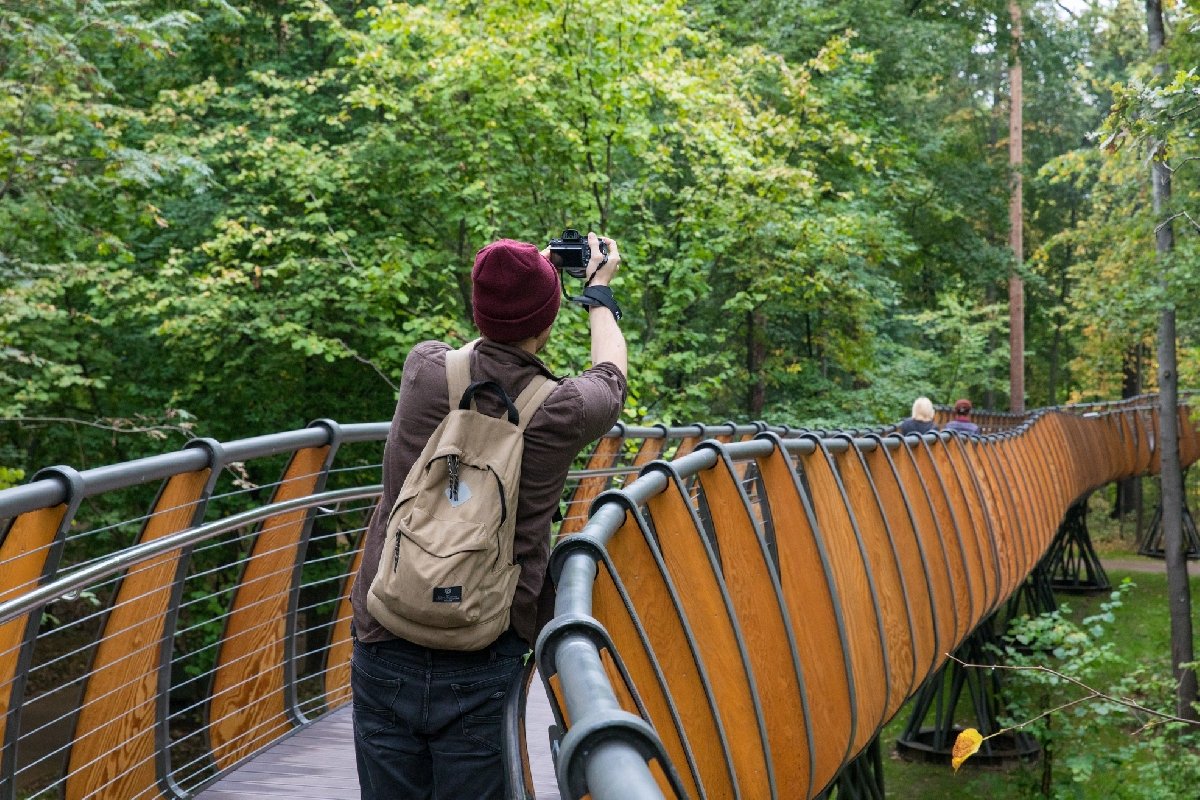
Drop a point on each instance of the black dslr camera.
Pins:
(571, 253)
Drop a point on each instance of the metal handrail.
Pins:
(606, 753)
(116, 563)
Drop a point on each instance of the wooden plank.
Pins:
(603, 457)
(113, 752)
(933, 545)
(910, 559)
(897, 622)
(860, 612)
(24, 552)
(811, 596)
(714, 635)
(668, 662)
(754, 590)
(246, 709)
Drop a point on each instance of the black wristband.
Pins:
(599, 296)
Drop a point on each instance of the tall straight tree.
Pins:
(1016, 238)
(1178, 589)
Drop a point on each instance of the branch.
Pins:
(115, 428)
(1174, 217)
(354, 354)
(1093, 693)
(345, 253)
(1070, 13)
(1175, 169)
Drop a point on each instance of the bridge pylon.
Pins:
(955, 694)
(1071, 563)
(1152, 543)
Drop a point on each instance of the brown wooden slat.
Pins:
(813, 605)
(703, 605)
(976, 572)
(860, 606)
(246, 709)
(24, 551)
(603, 457)
(910, 559)
(120, 699)
(753, 588)
(337, 657)
(981, 522)
(895, 612)
(950, 537)
(678, 679)
(928, 530)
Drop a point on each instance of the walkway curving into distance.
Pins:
(740, 608)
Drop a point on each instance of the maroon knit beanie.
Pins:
(514, 291)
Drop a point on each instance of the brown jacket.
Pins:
(579, 411)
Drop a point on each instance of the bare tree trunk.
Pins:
(1016, 239)
(1129, 490)
(1178, 591)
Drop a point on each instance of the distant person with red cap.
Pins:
(961, 421)
(427, 721)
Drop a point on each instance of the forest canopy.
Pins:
(229, 218)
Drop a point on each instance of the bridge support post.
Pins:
(861, 779)
(953, 685)
(1152, 543)
(1071, 563)
(1035, 596)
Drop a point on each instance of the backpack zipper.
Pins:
(452, 469)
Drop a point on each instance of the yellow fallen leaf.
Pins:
(965, 746)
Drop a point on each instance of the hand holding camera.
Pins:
(593, 259)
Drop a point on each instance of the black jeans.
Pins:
(427, 723)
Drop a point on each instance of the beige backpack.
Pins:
(446, 575)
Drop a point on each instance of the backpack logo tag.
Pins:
(447, 594)
(458, 493)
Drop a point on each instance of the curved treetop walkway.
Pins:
(738, 621)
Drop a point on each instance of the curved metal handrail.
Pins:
(1050, 458)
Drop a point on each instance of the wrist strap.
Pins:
(599, 296)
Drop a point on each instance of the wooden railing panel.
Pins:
(981, 522)
(341, 646)
(951, 536)
(1008, 535)
(717, 641)
(944, 594)
(757, 598)
(248, 707)
(865, 510)
(603, 457)
(1008, 469)
(910, 557)
(814, 606)
(861, 613)
(971, 537)
(663, 666)
(24, 553)
(121, 698)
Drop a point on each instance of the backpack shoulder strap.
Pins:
(458, 372)
(531, 398)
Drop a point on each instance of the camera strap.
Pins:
(599, 296)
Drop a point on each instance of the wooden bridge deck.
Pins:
(317, 762)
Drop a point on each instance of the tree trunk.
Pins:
(1129, 490)
(1178, 591)
(1016, 239)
